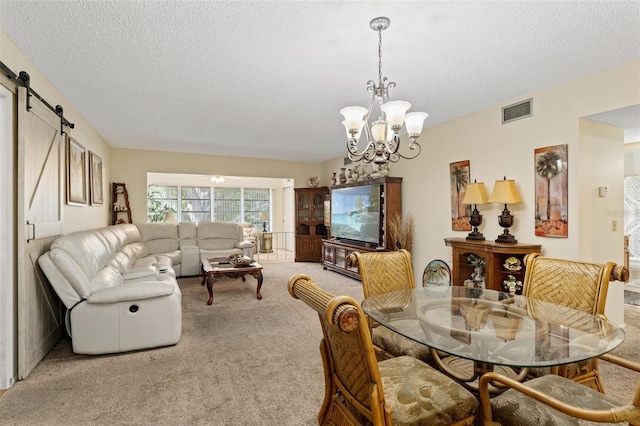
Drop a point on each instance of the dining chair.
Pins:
(579, 285)
(554, 400)
(360, 390)
(384, 272)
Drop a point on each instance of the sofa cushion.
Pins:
(139, 291)
(188, 233)
(105, 278)
(135, 251)
(79, 257)
(218, 235)
(128, 233)
(159, 237)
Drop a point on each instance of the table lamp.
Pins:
(170, 217)
(264, 217)
(475, 194)
(505, 192)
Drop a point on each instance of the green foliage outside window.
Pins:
(160, 200)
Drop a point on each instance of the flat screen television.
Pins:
(355, 214)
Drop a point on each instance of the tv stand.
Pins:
(336, 256)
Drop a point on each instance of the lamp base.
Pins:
(475, 235)
(506, 221)
(506, 238)
(475, 220)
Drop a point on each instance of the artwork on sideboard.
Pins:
(551, 191)
(95, 177)
(76, 172)
(459, 177)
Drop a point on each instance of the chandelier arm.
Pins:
(367, 154)
(413, 146)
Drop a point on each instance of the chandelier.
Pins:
(382, 136)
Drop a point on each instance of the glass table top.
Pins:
(494, 327)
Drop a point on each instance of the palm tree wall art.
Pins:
(459, 176)
(551, 191)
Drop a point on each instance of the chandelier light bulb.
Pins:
(378, 130)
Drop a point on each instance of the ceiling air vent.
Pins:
(516, 111)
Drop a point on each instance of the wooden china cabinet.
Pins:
(496, 268)
(310, 223)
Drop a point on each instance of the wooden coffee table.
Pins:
(213, 268)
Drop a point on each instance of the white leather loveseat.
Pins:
(119, 283)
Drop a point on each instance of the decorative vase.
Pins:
(349, 175)
(333, 179)
(343, 177)
(355, 175)
(313, 182)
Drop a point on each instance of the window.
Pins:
(226, 204)
(256, 201)
(198, 204)
(160, 200)
(195, 203)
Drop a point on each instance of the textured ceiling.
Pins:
(267, 79)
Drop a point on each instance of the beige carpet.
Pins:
(240, 361)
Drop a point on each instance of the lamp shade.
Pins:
(353, 117)
(395, 112)
(349, 135)
(170, 217)
(378, 130)
(475, 194)
(414, 122)
(505, 192)
(264, 216)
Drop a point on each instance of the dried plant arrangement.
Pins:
(402, 229)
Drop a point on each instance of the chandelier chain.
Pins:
(380, 57)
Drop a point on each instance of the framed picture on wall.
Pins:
(76, 176)
(551, 191)
(95, 176)
(460, 213)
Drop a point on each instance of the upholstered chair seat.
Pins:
(416, 393)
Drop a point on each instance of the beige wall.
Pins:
(75, 217)
(131, 166)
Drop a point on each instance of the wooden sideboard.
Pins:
(494, 255)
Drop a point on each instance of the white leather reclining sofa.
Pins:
(119, 283)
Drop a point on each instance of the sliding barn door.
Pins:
(40, 312)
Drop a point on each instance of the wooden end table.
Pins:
(212, 269)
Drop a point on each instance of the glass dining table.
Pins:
(486, 330)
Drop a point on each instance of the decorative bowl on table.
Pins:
(240, 261)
